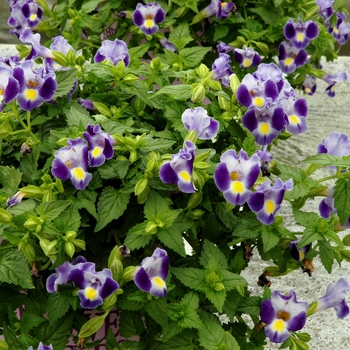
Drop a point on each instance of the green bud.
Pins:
(59, 185)
(31, 191)
(212, 279)
(224, 103)
(60, 58)
(201, 165)
(312, 308)
(133, 156)
(116, 267)
(69, 236)
(28, 251)
(69, 248)
(198, 94)
(119, 69)
(181, 11)
(49, 196)
(278, 221)
(116, 253)
(153, 165)
(140, 105)
(346, 240)
(5, 216)
(80, 60)
(80, 244)
(119, 138)
(322, 226)
(156, 64)
(151, 228)
(128, 273)
(109, 302)
(49, 248)
(71, 57)
(34, 224)
(102, 108)
(202, 71)
(198, 213)
(219, 287)
(234, 83)
(140, 186)
(191, 136)
(130, 79)
(3, 345)
(195, 199)
(142, 197)
(214, 84)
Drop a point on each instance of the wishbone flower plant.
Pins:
(142, 172)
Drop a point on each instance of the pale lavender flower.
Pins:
(29, 38)
(336, 144)
(290, 58)
(296, 112)
(9, 86)
(309, 85)
(326, 8)
(87, 104)
(300, 34)
(150, 276)
(282, 314)
(148, 16)
(168, 45)
(341, 30)
(222, 69)
(332, 80)
(224, 48)
(42, 347)
(113, 51)
(16, 199)
(247, 57)
(219, 8)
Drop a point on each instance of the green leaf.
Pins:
(10, 178)
(130, 324)
(155, 205)
(178, 92)
(65, 82)
(341, 197)
(184, 341)
(269, 238)
(11, 339)
(69, 220)
(111, 206)
(51, 210)
(192, 4)
(213, 337)
(158, 310)
(78, 117)
(269, 16)
(90, 6)
(114, 168)
(14, 269)
(226, 217)
(305, 218)
(232, 280)
(92, 326)
(310, 235)
(180, 36)
(172, 238)
(329, 160)
(287, 172)
(191, 277)
(211, 250)
(216, 297)
(193, 56)
(326, 255)
(137, 237)
(56, 307)
(250, 305)
(220, 32)
(111, 341)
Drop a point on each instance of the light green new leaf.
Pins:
(180, 36)
(65, 82)
(69, 220)
(155, 204)
(341, 197)
(218, 298)
(210, 249)
(78, 117)
(305, 218)
(111, 206)
(10, 178)
(137, 237)
(232, 280)
(191, 277)
(14, 269)
(269, 238)
(193, 56)
(178, 92)
(51, 210)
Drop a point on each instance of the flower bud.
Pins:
(142, 197)
(116, 267)
(71, 57)
(116, 253)
(212, 279)
(119, 69)
(102, 108)
(322, 226)
(198, 94)
(60, 58)
(140, 186)
(180, 11)
(133, 156)
(49, 248)
(130, 79)
(31, 191)
(156, 64)
(192, 136)
(28, 251)
(49, 196)
(140, 106)
(198, 213)
(153, 165)
(5, 216)
(69, 236)
(109, 302)
(195, 199)
(346, 240)
(218, 287)
(224, 103)
(80, 244)
(214, 84)
(151, 228)
(128, 273)
(69, 248)
(203, 71)
(234, 83)
(33, 224)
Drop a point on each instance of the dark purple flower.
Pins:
(341, 30)
(42, 347)
(326, 8)
(29, 38)
(16, 199)
(267, 199)
(148, 16)
(309, 85)
(265, 158)
(235, 174)
(300, 34)
(197, 119)
(101, 145)
(224, 48)
(282, 314)
(326, 207)
(296, 112)
(290, 58)
(114, 51)
(72, 162)
(36, 86)
(298, 253)
(150, 276)
(87, 104)
(265, 123)
(9, 86)
(218, 8)
(168, 45)
(222, 69)
(335, 297)
(336, 144)
(179, 170)
(247, 57)
(332, 80)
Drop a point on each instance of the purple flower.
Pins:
(265, 123)
(179, 170)
(335, 297)
(59, 44)
(300, 34)
(27, 37)
(247, 57)
(267, 199)
(332, 80)
(9, 86)
(326, 9)
(235, 174)
(87, 104)
(265, 158)
(150, 276)
(224, 48)
(222, 69)
(309, 85)
(114, 51)
(282, 314)
(296, 112)
(290, 58)
(42, 347)
(336, 144)
(197, 119)
(341, 30)
(168, 45)
(218, 8)
(71, 163)
(101, 145)
(16, 199)
(25, 13)
(298, 253)
(36, 86)
(148, 16)
(326, 207)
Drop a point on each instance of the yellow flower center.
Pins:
(2, 91)
(96, 152)
(335, 30)
(79, 173)
(288, 61)
(259, 101)
(149, 23)
(31, 94)
(33, 17)
(307, 90)
(270, 206)
(159, 282)
(278, 325)
(237, 187)
(264, 128)
(185, 176)
(247, 62)
(300, 36)
(294, 119)
(90, 293)
(223, 4)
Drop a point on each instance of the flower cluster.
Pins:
(72, 162)
(272, 104)
(93, 287)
